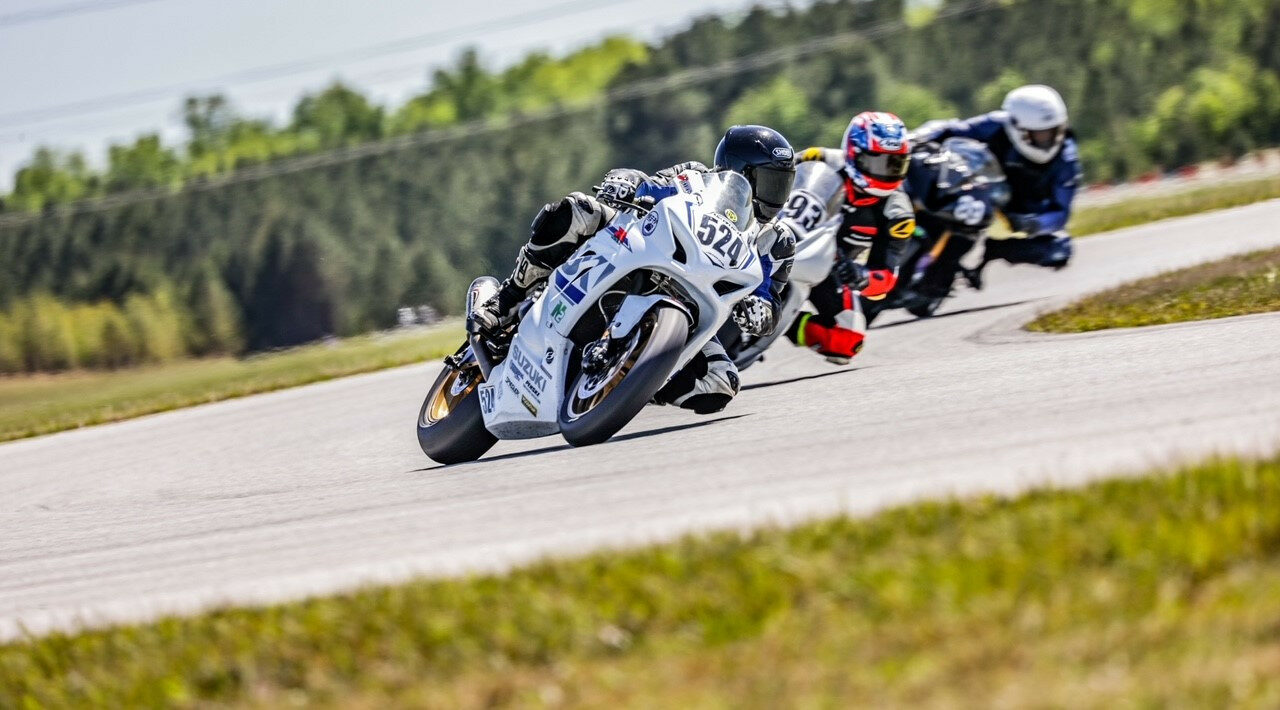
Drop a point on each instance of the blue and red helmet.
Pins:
(876, 152)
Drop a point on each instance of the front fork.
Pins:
(481, 290)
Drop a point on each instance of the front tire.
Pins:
(450, 425)
(597, 406)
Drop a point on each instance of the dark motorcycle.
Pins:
(956, 187)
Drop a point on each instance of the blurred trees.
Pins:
(42, 334)
(146, 163)
(51, 177)
(336, 116)
(779, 104)
(336, 247)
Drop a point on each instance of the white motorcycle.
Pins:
(813, 211)
(631, 307)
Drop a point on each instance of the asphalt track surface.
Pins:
(323, 488)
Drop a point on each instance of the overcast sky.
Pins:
(79, 74)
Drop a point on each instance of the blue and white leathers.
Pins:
(1045, 190)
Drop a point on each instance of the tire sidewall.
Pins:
(652, 369)
(460, 436)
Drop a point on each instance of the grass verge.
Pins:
(1136, 592)
(1091, 220)
(40, 404)
(1238, 285)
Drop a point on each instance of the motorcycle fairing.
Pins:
(523, 394)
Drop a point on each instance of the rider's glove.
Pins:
(619, 185)
(850, 273)
(754, 315)
(929, 147)
(879, 283)
(1028, 223)
(671, 172)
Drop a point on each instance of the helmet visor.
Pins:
(891, 167)
(772, 187)
(1046, 138)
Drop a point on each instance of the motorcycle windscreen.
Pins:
(729, 193)
(968, 162)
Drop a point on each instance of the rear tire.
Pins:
(631, 381)
(450, 426)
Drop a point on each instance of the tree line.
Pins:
(337, 247)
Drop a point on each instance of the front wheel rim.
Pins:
(590, 391)
(457, 385)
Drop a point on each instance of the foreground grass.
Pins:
(1141, 593)
(32, 405)
(1238, 285)
(1091, 220)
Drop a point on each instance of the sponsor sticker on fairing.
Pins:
(528, 405)
(574, 278)
(532, 373)
(620, 235)
(649, 224)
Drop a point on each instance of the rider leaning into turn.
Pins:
(877, 218)
(1031, 138)
(710, 380)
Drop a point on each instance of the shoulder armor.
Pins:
(897, 206)
(1070, 152)
(777, 239)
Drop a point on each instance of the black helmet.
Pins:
(764, 157)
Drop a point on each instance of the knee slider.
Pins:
(830, 340)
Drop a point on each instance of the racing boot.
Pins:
(1058, 251)
(1052, 250)
(973, 276)
(495, 316)
(706, 385)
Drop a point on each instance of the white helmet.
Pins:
(1037, 122)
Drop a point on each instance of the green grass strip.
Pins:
(1150, 592)
(1141, 210)
(1238, 285)
(40, 404)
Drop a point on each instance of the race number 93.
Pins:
(803, 210)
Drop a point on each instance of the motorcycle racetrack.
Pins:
(323, 488)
